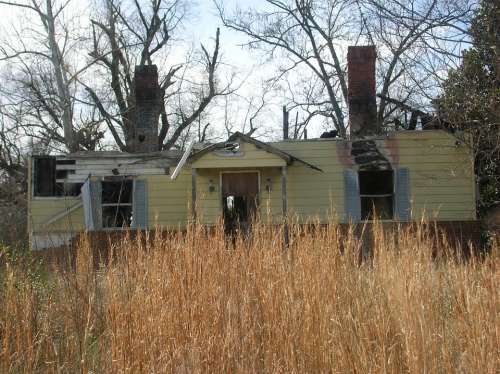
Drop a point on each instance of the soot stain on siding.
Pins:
(368, 155)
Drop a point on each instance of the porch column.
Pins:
(194, 173)
(284, 210)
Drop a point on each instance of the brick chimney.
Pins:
(361, 90)
(147, 112)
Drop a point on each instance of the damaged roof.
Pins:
(257, 143)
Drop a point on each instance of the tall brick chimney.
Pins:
(147, 109)
(361, 90)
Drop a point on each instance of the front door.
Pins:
(240, 192)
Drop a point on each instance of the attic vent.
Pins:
(232, 147)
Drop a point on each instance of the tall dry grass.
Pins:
(195, 303)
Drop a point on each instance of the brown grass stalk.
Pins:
(197, 302)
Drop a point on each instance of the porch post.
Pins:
(284, 210)
(193, 193)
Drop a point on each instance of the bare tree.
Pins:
(43, 81)
(307, 37)
(122, 40)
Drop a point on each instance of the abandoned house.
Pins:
(400, 176)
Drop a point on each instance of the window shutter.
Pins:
(91, 199)
(352, 202)
(402, 198)
(140, 205)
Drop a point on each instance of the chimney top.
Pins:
(361, 52)
(147, 109)
(361, 90)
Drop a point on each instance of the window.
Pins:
(117, 203)
(50, 177)
(44, 176)
(376, 190)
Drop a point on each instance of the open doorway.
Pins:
(240, 192)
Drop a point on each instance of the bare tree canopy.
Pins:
(416, 39)
(69, 76)
(123, 39)
(41, 93)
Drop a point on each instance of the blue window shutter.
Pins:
(91, 199)
(402, 198)
(140, 205)
(352, 201)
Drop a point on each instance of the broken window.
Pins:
(117, 203)
(50, 177)
(44, 176)
(376, 190)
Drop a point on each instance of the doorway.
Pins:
(240, 191)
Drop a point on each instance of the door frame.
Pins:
(221, 197)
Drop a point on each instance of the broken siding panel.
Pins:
(105, 166)
(43, 241)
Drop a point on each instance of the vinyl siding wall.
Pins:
(312, 194)
(441, 175)
(43, 209)
(441, 183)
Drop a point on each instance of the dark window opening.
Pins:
(376, 190)
(48, 181)
(117, 203)
(44, 176)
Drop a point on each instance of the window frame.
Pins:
(117, 204)
(371, 217)
(60, 185)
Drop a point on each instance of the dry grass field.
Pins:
(194, 303)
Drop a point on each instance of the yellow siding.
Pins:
(441, 183)
(43, 209)
(169, 200)
(208, 203)
(251, 157)
(312, 194)
(441, 175)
